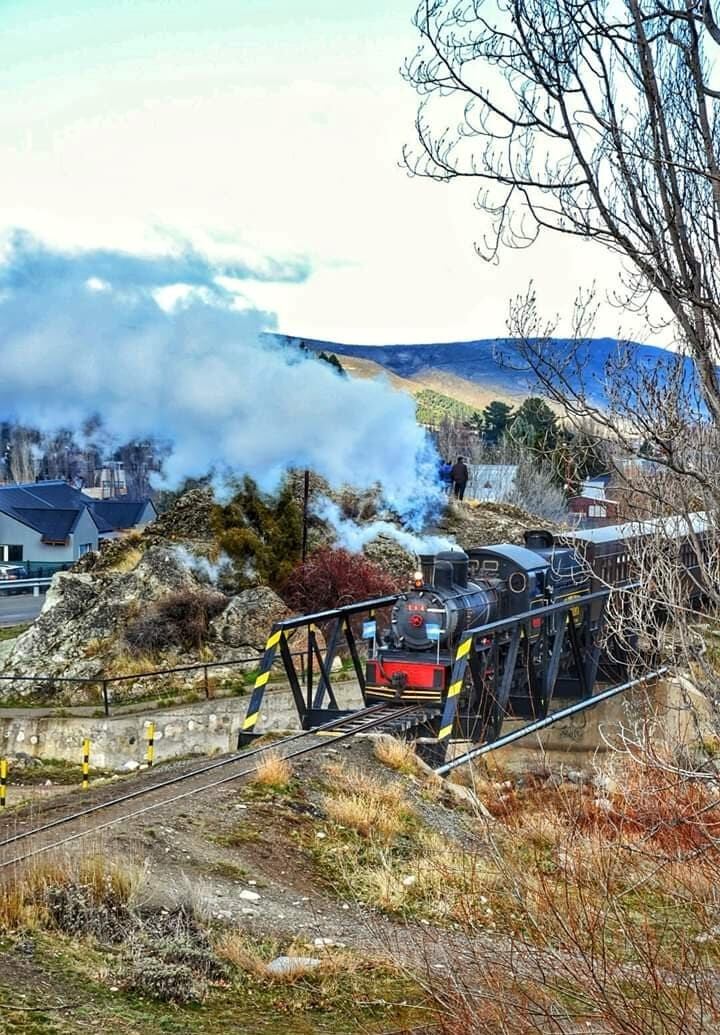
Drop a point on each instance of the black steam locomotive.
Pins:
(514, 668)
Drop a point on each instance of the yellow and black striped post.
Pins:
(253, 711)
(150, 750)
(3, 782)
(460, 664)
(85, 763)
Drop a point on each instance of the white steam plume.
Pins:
(353, 536)
(92, 332)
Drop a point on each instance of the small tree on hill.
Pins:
(331, 578)
(261, 533)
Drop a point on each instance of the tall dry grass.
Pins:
(607, 902)
(272, 771)
(361, 802)
(29, 895)
(396, 754)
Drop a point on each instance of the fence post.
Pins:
(106, 700)
(3, 782)
(150, 752)
(207, 685)
(85, 763)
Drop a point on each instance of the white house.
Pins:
(48, 525)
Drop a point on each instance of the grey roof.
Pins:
(119, 513)
(526, 559)
(54, 524)
(53, 508)
(671, 527)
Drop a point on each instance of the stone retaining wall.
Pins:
(211, 727)
(119, 742)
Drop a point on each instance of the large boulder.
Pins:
(248, 618)
(79, 632)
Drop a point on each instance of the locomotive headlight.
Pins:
(418, 580)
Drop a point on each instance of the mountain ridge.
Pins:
(478, 362)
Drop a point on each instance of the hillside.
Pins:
(473, 371)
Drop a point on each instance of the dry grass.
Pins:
(273, 771)
(396, 754)
(362, 803)
(237, 949)
(136, 663)
(251, 957)
(98, 647)
(24, 895)
(128, 561)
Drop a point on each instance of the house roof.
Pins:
(119, 513)
(54, 508)
(54, 524)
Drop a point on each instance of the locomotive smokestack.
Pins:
(427, 566)
(457, 563)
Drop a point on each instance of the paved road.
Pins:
(19, 609)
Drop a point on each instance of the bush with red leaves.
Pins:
(332, 578)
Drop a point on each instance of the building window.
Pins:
(84, 548)
(11, 554)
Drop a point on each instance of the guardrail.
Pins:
(103, 681)
(10, 585)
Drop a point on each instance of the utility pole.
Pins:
(306, 496)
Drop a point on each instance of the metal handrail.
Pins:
(104, 681)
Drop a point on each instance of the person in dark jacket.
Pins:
(460, 475)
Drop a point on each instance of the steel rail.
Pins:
(549, 720)
(377, 720)
(229, 760)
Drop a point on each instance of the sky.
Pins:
(258, 131)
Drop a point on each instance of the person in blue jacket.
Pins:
(446, 476)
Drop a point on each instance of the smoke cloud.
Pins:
(354, 537)
(167, 346)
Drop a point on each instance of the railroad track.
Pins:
(25, 844)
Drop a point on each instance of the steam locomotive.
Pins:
(456, 591)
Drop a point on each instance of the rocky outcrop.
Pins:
(480, 524)
(80, 630)
(391, 557)
(247, 619)
(187, 522)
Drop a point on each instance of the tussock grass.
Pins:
(395, 754)
(126, 664)
(128, 560)
(380, 853)
(272, 771)
(362, 803)
(337, 968)
(38, 895)
(98, 647)
(238, 949)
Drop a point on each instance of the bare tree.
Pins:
(600, 121)
(22, 453)
(597, 120)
